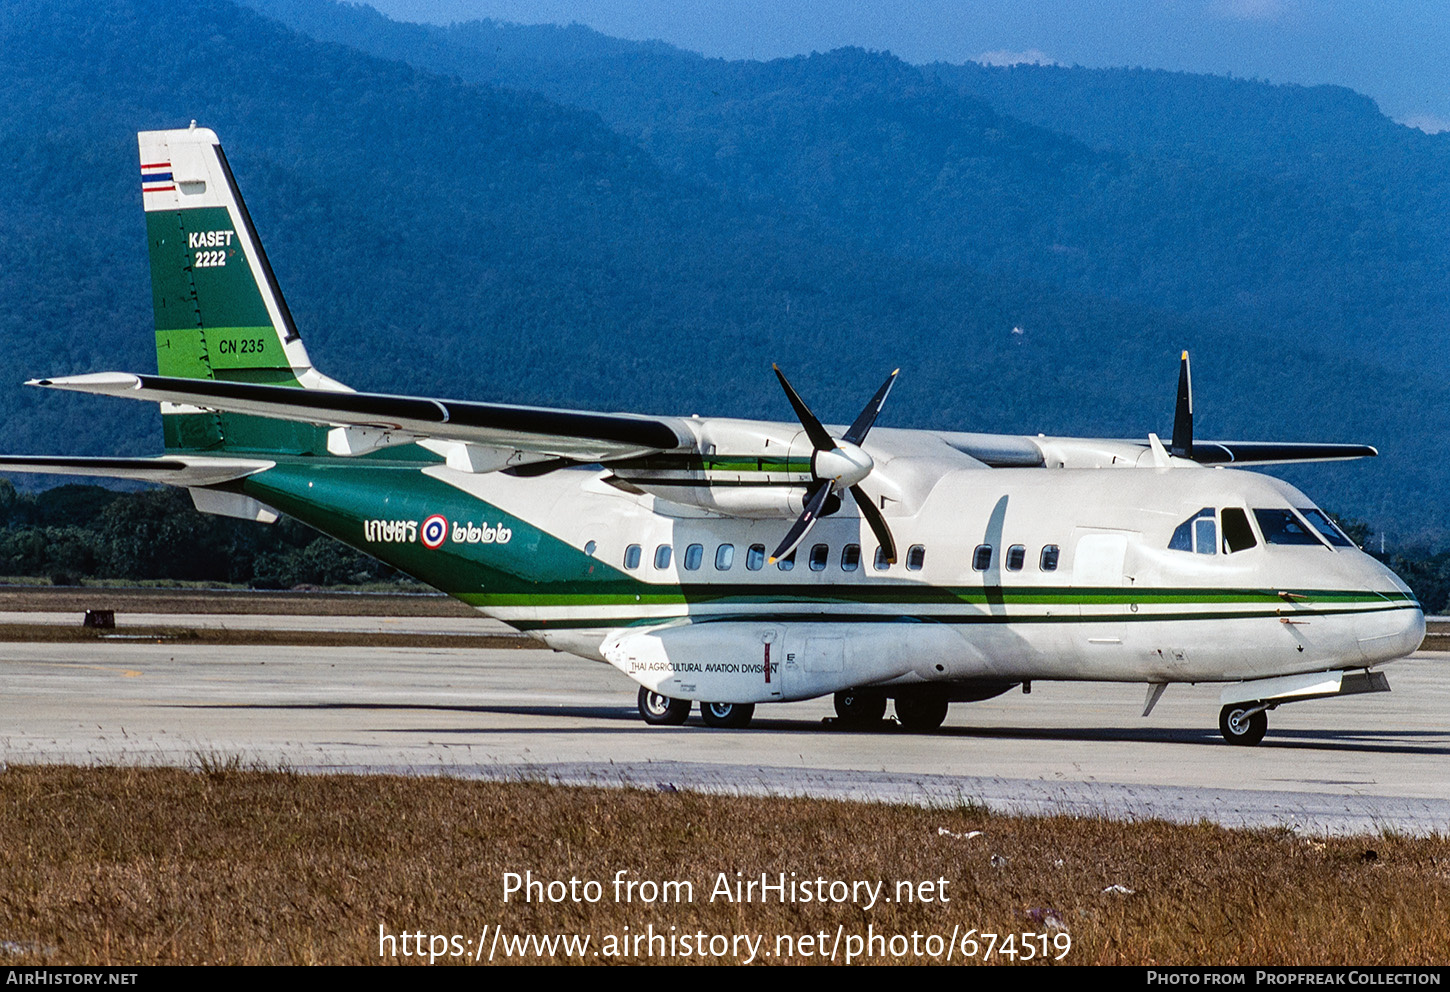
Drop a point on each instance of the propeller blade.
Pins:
(815, 499)
(878, 523)
(820, 440)
(858, 430)
(1183, 415)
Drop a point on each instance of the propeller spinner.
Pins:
(836, 466)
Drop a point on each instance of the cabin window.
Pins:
(1326, 527)
(982, 558)
(589, 547)
(915, 557)
(1237, 534)
(1198, 533)
(881, 563)
(1283, 527)
(850, 557)
(787, 563)
(724, 557)
(694, 554)
(631, 556)
(1016, 557)
(755, 557)
(662, 556)
(819, 554)
(1048, 561)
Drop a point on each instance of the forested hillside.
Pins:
(548, 216)
(1280, 209)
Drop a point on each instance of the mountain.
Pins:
(548, 216)
(1279, 209)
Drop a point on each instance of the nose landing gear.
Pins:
(1243, 723)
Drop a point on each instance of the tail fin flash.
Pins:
(219, 311)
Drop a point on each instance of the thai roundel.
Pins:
(434, 531)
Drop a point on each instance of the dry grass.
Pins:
(222, 864)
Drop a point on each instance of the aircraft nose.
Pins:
(1389, 634)
(1386, 634)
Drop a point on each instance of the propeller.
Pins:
(836, 466)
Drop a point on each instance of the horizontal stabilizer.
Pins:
(173, 470)
(1245, 452)
(572, 434)
(1275, 452)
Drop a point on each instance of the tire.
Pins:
(727, 716)
(1240, 729)
(662, 711)
(860, 707)
(921, 712)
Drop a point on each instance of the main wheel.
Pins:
(727, 716)
(920, 712)
(1239, 726)
(660, 710)
(860, 707)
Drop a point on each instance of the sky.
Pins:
(1396, 51)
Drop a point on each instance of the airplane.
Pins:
(719, 561)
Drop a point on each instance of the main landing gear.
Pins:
(1243, 723)
(727, 716)
(919, 712)
(860, 707)
(660, 710)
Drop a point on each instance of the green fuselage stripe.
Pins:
(922, 594)
(946, 619)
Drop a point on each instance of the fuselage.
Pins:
(1004, 575)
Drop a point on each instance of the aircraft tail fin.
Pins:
(219, 312)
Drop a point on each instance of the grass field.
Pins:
(224, 864)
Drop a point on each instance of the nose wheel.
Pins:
(1243, 723)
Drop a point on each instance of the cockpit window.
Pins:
(1237, 534)
(1198, 533)
(1321, 522)
(1283, 527)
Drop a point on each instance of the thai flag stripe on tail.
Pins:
(156, 177)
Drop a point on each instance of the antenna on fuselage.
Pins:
(1182, 445)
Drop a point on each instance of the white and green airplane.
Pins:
(718, 560)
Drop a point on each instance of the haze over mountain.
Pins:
(1394, 51)
(547, 215)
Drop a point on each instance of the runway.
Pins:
(474, 625)
(1355, 765)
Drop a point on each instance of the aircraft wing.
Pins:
(176, 470)
(573, 434)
